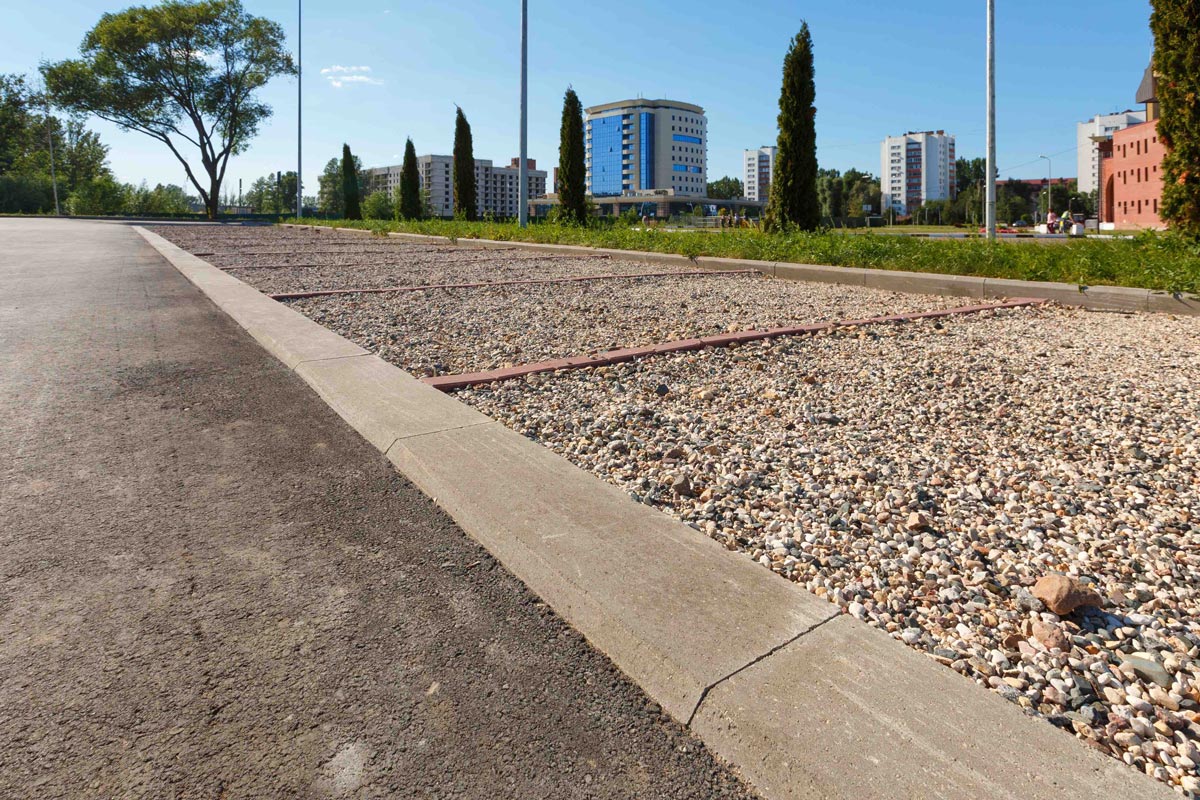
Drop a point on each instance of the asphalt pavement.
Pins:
(210, 586)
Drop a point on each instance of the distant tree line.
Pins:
(845, 194)
(86, 186)
(348, 191)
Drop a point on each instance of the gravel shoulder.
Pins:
(213, 588)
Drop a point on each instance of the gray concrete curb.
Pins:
(803, 701)
(1100, 298)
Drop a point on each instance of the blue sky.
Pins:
(881, 68)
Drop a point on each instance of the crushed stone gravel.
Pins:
(925, 475)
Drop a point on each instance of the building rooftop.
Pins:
(919, 133)
(639, 102)
(1148, 89)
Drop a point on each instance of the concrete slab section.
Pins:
(674, 609)
(849, 276)
(670, 259)
(1114, 298)
(1187, 303)
(384, 403)
(925, 283)
(847, 712)
(735, 264)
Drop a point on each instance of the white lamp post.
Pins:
(523, 170)
(299, 102)
(991, 119)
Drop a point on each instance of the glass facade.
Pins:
(605, 136)
(646, 144)
(624, 154)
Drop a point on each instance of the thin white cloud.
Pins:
(339, 68)
(339, 76)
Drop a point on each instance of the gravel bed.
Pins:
(441, 332)
(425, 270)
(308, 261)
(924, 476)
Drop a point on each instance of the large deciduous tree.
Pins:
(16, 120)
(1177, 69)
(350, 186)
(794, 200)
(830, 194)
(329, 189)
(972, 172)
(572, 177)
(726, 188)
(183, 73)
(409, 205)
(464, 169)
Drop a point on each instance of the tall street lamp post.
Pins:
(523, 170)
(299, 102)
(991, 119)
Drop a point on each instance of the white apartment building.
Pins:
(915, 168)
(759, 169)
(496, 188)
(1101, 126)
(638, 145)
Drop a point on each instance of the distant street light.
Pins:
(50, 142)
(523, 170)
(991, 119)
(1049, 182)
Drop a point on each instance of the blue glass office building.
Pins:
(642, 145)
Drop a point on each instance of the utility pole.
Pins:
(299, 105)
(991, 120)
(523, 170)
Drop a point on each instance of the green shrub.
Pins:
(378, 205)
(25, 194)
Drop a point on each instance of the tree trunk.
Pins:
(213, 203)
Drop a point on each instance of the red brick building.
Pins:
(1130, 163)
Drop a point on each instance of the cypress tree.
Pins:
(410, 185)
(1177, 68)
(794, 199)
(352, 210)
(572, 185)
(464, 169)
